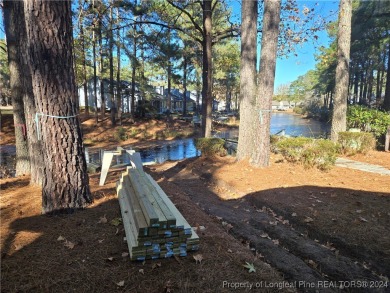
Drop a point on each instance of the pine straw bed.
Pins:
(85, 252)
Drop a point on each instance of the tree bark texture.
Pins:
(248, 77)
(49, 37)
(269, 45)
(339, 114)
(207, 90)
(13, 22)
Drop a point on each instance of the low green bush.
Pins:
(368, 120)
(121, 134)
(310, 152)
(299, 110)
(356, 142)
(211, 147)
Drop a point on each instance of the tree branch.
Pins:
(197, 27)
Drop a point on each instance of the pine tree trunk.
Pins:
(169, 78)
(356, 88)
(339, 116)
(84, 60)
(249, 14)
(102, 97)
(111, 59)
(34, 146)
(269, 44)
(386, 102)
(133, 71)
(118, 73)
(65, 185)
(95, 76)
(85, 82)
(207, 92)
(185, 87)
(13, 24)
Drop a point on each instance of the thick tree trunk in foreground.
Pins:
(249, 13)
(13, 25)
(207, 93)
(65, 186)
(269, 45)
(339, 116)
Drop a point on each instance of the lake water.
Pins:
(292, 125)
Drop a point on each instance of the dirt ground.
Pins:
(298, 227)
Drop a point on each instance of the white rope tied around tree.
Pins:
(52, 116)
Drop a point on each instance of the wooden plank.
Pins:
(150, 215)
(148, 209)
(139, 216)
(128, 222)
(180, 220)
(107, 158)
(170, 218)
(135, 159)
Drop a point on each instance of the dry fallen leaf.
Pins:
(230, 251)
(102, 220)
(264, 235)
(110, 258)
(198, 258)
(308, 220)
(251, 268)
(312, 263)
(69, 244)
(363, 219)
(141, 271)
(124, 254)
(18, 247)
(121, 283)
(60, 238)
(101, 240)
(156, 265)
(275, 241)
(116, 222)
(294, 214)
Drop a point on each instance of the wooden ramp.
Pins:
(154, 226)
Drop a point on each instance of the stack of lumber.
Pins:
(154, 226)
